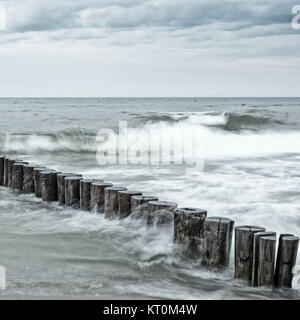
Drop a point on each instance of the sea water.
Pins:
(251, 174)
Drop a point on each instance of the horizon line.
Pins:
(148, 97)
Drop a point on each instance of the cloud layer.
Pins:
(186, 35)
(237, 17)
(44, 15)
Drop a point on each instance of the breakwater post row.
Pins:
(206, 239)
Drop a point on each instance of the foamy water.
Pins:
(251, 154)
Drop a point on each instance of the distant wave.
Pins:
(175, 117)
(252, 119)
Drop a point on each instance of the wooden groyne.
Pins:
(199, 237)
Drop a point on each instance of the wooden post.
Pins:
(111, 203)
(257, 236)
(72, 191)
(217, 243)
(10, 168)
(286, 260)
(160, 212)
(61, 185)
(1, 169)
(97, 195)
(85, 193)
(28, 183)
(139, 206)
(49, 185)
(10, 164)
(5, 172)
(189, 231)
(266, 260)
(18, 176)
(243, 253)
(124, 199)
(37, 181)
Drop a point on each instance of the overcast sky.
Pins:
(149, 48)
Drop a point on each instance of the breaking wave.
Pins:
(217, 144)
(75, 140)
(251, 120)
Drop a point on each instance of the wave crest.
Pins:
(251, 120)
(75, 140)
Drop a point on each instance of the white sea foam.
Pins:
(216, 143)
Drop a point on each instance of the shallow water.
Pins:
(251, 154)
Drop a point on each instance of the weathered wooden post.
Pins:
(189, 231)
(37, 181)
(11, 163)
(1, 169)
(28, 183)
(266, 260)
(124, 200)
(286, 260)
(85, 193)
(18, 176)
(5, 172)
(243, 253)
(160, 212)
(72, 191)
(217, 243)
(97, 195)
(139, 206)
(49, 185)
(61, 185)
(256, 248)
(111, 203)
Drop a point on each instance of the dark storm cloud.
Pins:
(48, 15)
